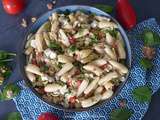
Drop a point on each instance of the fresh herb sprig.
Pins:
(146, 64)
(150, 38)
(6, 56)
(14, 116)
(142, 94)
(121, 114)
(10, 91)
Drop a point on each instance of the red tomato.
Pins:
(69, 82)
(79, 82)
(72, 40)
(103, 66)
(72, 99)
(126, 14)
(13, 6)
(47, 116)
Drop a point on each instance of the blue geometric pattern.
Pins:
(31, 106)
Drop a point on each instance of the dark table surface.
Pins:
(11, 33)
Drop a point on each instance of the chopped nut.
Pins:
(49, 6)
(33, 19)
(24, 23)
(148, 52)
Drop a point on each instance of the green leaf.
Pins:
(113, 32)
(55, 46)
(150, 38)
(105, 8)
(7, 73)
(5, 55)
(44, 68)
(121, 114)
(94, 39)
(145, 63)
(72, 48)
(142, 94)
(10, 91)
(14, 116)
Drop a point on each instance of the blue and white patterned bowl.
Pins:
(72, 8)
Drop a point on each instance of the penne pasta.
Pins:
(91, 101)
(107, 94)
(33, 69)
(81, 33)
(120, 67)
(65, 59)
(108, 77)
(94, 69)
(91, 86)
(65, 68)
(52, 87)
(64, 38)
(82, 87)
(110, 53)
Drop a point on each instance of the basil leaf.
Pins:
(145, 63)
(105, 8)
(94, 40)
(6, 55)
(150, 38)
(113, 32)
(7, 73)
(10, 91)
(72, 48)
(14, 116)
(55, 46)
(121, 114)
(44, 68)
(142, 94)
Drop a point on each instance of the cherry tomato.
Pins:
(47, 116)
(13, 7)
(79, 82)
(72, 99)
(103, 66)
(126, 14)
(72, 40)
(69, 82)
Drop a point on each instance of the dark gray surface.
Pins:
(11, 33)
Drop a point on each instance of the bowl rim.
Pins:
(20, 55)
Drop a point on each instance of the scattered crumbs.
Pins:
(24, 23)
(54, 2)
(33, 19)
(50, 6)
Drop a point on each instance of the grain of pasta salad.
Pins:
(76, 59)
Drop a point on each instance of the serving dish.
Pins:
(41, 20)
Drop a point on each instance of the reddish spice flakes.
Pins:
(50, 6)
(148, 52)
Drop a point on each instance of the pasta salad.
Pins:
(76, 59)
